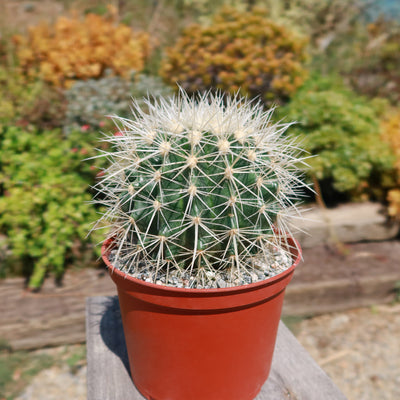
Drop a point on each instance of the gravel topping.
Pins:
(276, 261)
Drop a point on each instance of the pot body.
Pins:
(200, 344)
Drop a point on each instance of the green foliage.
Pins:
(239, 50)
(27, 102)
(325, 22)
(342, 41)
(377, 72)
(343, 130)
(89, 102)
(207, 7)
(43, 210)
(47, 111)
(16, 93)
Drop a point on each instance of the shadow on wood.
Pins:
(111, 321)
(294, 374)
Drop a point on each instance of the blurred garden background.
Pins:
(332, 66)
(65, 65)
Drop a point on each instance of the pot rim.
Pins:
(295, 251)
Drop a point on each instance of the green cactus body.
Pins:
(200, 184)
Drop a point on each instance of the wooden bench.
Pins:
(294, 374)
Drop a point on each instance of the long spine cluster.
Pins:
(199, 186)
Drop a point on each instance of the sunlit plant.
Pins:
(246, 51)
(199, 186)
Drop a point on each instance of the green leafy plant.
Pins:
(16, 93)
(90, 101)
(42, 210)
(343, 129)
(325, 22)
(376, 71)
(26, 102)
(198, 187)
(239, 50)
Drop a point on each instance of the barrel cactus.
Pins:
(199, 186)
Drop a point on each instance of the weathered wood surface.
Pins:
(324, 282)
(294, 374)
(55, 316)
(333, 295)
(327, 281)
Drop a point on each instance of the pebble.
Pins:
(221, 283)
(260, 274)
(254, 277)
(210, 274)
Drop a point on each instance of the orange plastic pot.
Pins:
(200, 344)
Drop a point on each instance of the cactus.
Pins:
(199, 186)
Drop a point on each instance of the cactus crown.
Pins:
(199, 185)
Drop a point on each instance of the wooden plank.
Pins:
(332, 295)
(108, 374)
(294, 374)
(324, 282)
(55, 315)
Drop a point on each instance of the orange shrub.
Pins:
(238, 50)
(391, 134)
(76, 48)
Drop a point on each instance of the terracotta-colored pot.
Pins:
(200, 344)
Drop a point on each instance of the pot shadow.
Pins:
(111, 331)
